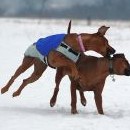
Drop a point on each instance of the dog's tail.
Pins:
(69, 27)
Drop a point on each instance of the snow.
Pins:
(31, 109)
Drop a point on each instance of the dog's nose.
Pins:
(112, 51)
(127, 72)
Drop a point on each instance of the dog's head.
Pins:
(98, 42)
(121, 65)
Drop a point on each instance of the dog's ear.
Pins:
(102, 30)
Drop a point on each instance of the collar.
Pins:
(80, 42)
(111, 70)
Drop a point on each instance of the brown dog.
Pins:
(93, 72)
(96, 42)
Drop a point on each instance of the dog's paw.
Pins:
(101, 112)
(3, 90)
(53, 101)
(84, 102)
(15, 94)
(74, 111)
(52, 104)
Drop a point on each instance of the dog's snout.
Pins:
(112, 51)
(127, 72)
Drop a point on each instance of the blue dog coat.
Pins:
(45, 45)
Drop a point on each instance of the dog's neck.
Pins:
(109, 66)
(86, 38)
(74, 41)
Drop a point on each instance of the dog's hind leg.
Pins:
(73, 97)
(39, 68)
(58, 78)
(56, 59)
(27, 62)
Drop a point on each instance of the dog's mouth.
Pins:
(110, 52)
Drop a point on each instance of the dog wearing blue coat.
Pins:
(59, 50)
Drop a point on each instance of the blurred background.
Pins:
(71, 9)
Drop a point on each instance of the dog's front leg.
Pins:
(98, 96)
(98, 101)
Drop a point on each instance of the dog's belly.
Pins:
(89, 83)
(84, 87)
(54, 58)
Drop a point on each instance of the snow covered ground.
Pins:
(31, 110)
